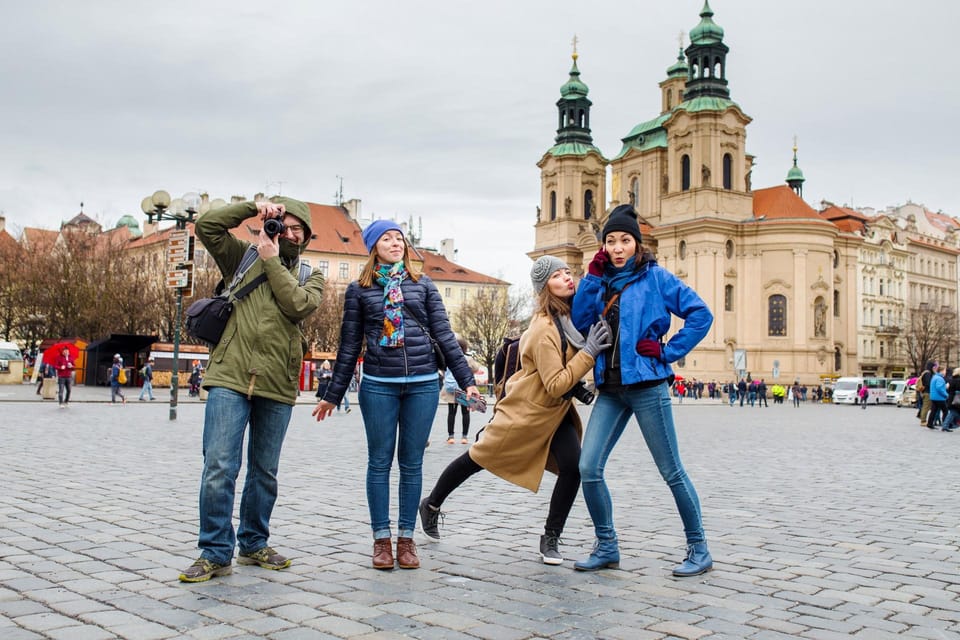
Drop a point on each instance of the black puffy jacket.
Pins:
(363, 323)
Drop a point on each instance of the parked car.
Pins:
(909, 396)
(895, 390)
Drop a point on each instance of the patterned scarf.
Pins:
(389, 276)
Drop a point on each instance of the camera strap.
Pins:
(563, 339)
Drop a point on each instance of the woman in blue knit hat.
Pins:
(395, 315)
(638, 298)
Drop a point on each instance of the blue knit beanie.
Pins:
(375, 230)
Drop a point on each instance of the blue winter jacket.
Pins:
(646, 307)
(938, 387)
(363, 326)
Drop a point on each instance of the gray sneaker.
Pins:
(202, 570)
(550, 549)
(429, 521)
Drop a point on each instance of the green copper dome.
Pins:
(708, 31)
(574, 87)
(795, 175)
(678, 68)
(131, 223)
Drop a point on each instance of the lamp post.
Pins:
(181, 211)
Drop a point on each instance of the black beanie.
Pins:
(623, 218)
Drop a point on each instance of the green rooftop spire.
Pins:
(708, 31)
(795, 176)
(574, 108)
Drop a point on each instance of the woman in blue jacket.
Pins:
(398, 315)
(638, 298)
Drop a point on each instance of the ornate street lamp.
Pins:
(182, 211)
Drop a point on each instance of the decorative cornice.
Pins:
(777, 282)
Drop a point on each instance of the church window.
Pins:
(553, 205)
(836, 303)
(728, 298)
(727, 171)
(669, 98)
(836, 259)
(777, 315)
(728, 248)
(682, 250)
(587, 204)
(836, 359)
(635, 192)
(685, 173)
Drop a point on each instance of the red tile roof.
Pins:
(781, 202)
(942, 221)
(40, 238)
(335, 231)
(844, 218)
(439, 268)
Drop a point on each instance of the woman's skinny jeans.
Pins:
(612, 410)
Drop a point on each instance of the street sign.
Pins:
(179, 248)
(740, 359)
(177, 278)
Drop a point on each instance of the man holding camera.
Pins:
(251, 379)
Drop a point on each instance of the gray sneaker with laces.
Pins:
(429, 521)
(550, 549)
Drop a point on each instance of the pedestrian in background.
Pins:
(627, 287)
(395, 315)
(115, 380)
(938, 399)
(64, 365)
(147, 374)
(953, 412)
(923, 390)
(252, 380)
(448, 396)
(535, 425)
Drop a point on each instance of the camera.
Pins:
(581, 393)
(273, 227)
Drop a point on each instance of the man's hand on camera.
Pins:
(267, 209)
(268, 247)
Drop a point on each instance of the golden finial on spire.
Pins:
(680, 39)
(794, 144)
(574, 42)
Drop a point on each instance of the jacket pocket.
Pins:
(294, 357)
(225, 341)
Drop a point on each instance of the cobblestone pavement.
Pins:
(824, 522)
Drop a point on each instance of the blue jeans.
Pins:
(611, 411)
(225, 422)
(389, 409)
(147, 388)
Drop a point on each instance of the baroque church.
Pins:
(779, 277)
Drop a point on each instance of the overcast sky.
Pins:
(440, 110)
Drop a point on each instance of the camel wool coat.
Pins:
(515, 444)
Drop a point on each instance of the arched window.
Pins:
(836, 359)
(777, 315)
(587, 204)
(836, 303)
(685, 173)
(727, 171)
(682, 250)
(553, 205)
(728, 249)
(728, 298)
(635, 192)
(669, 98)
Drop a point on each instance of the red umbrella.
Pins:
(678, 378)
(50, 355)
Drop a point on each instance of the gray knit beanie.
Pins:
(542, 269)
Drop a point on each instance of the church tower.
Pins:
(572, 180)
(795, 177)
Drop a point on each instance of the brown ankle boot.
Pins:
(383, 554)
(407, 554)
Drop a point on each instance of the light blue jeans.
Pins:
(609, 417)
(147, 389)
(391, 410)
(224, 425)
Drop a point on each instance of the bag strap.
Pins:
(247, 261)
(612, 300)
(420, 324)
(250, 286)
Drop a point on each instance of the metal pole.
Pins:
(175, 377)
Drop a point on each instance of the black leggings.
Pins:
(452, 418)
(565, 447)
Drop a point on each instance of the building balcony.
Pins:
(888, 330)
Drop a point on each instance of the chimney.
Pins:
(352, 207)
(447, 250)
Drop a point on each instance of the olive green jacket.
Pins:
(261, 350)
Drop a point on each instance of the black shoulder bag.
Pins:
(207, 318)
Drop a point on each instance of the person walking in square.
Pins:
(535, 425)
(115, 389)
(147, 375)
(252, 380)
(64, 365)
(395, 315)
(639, 299)
(448, 397)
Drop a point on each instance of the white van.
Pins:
(895, 391)
(845, 390)
(11, 364)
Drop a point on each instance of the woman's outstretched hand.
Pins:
(322, 410)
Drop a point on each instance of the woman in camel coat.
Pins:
(535, 426)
